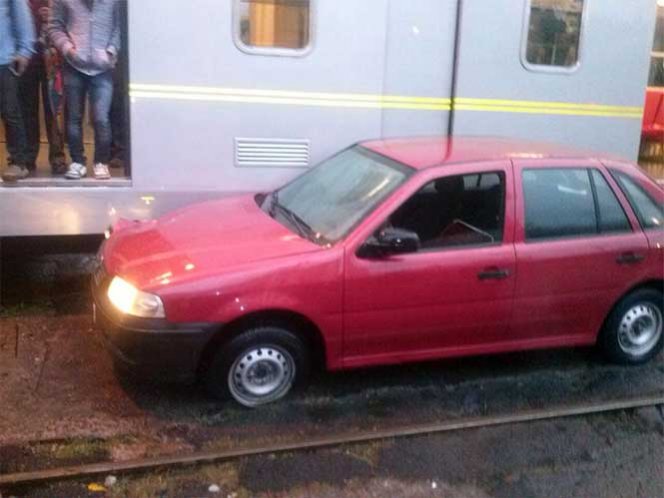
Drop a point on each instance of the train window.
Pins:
(656, 78)
(69, 122)
(273, 26)
(554, 34)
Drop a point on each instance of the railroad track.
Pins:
(41, 477)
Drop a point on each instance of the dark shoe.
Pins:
(58, 168)
(57, 159)
(14, 173)
(117, 163)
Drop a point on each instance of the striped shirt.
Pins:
(91, 27)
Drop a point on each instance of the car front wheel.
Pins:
(633, 332)
(259, 366)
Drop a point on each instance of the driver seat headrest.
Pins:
(452, 186)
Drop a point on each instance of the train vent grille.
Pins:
(279, 153)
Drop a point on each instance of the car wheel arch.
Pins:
(297, 323)
(656, 284)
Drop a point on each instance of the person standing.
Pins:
(119, 106)
(17, 40)
(87, 34)
(35, 83)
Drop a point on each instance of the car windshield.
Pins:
(327, 202)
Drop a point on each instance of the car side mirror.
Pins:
(390, 241)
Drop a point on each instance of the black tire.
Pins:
(650, 302)
(283, 347)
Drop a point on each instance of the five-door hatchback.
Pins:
(391, 251)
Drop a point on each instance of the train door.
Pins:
(42, 92)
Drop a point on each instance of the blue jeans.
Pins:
(100, 89)
(11, 115)
(33, 85)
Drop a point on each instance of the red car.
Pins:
(391, 251)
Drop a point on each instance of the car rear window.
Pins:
(559, 203)
(611, 216)
(649, 212)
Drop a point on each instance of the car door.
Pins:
(646, 199)
(454, 295)
(579, 248)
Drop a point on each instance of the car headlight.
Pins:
(131, 301)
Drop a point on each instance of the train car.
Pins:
(241, 95)
(652, 133)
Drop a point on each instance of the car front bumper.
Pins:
(151, 348)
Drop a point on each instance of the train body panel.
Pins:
(211, 117)
(601, 96)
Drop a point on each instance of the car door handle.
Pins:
(493, 274)
(629, 258)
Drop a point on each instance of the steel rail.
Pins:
(39, 477)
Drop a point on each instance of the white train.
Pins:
(239, 95)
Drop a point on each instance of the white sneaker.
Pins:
(76, 171)
(101, 171)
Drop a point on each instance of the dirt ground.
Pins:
(61, 402)
(617, 455)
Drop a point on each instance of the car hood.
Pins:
(200, 240)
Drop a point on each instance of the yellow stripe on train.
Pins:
(377, 101)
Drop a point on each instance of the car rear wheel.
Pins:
(633, 332)
(258, 367)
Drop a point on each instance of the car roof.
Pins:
(426, 152)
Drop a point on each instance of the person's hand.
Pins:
(112, 57)
(20, 64)
(72, 56)
(101, 59)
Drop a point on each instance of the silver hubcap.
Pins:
(640, 329)
(261, 375)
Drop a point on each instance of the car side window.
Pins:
(611, 216)
(455, 211)
(648, 211)
(558, 203)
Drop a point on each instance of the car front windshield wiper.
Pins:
(302, 227)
